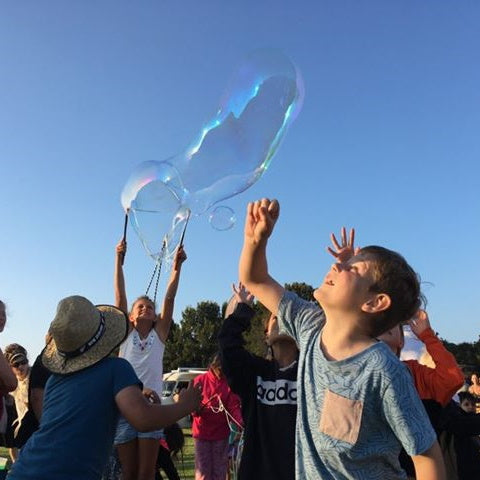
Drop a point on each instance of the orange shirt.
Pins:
(439, 383)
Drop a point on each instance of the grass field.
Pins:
(184, 463)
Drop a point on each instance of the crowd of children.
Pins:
(332, 400)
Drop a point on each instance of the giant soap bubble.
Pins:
(230, 153)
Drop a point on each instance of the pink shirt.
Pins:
(210, 422)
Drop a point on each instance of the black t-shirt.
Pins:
(39, 374)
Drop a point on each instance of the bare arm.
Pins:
(429, 465)
(118, 278)
(145, 416)
(164, 321)
(253, 268)
(8, 380)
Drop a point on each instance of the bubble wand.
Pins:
(124, 238)
(185, 229)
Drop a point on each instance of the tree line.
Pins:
(193, 341)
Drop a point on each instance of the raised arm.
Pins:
(238, 364)
(118, 278)
(446, 378)
(165, 319)
(253, 268)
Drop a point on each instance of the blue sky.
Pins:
(387, 141)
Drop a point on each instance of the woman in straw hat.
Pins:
(143, 348)
(85, 394)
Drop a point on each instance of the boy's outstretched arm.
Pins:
(253, 268)
(165, 319)
(429, 465)
(118, 278)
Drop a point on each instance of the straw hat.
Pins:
(83, 334)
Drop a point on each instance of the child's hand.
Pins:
(121, 248)
(191, 397)
(261, 218)
(151, 395)
(242, 295)
(419, 323)
(346, 250)
(180, 257)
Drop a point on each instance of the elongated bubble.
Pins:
(231, 152)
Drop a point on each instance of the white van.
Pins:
(175, 381)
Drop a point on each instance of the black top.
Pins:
(269, 402)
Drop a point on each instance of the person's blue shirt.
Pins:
(78, 424)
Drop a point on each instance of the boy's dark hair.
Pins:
(467, 396)
(393, 276)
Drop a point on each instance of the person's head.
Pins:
(82, 335)
(215, 365)
(272, 335)
(394, 338)
(468, 402)
(377, 285)
(16, 356)
(143, 310)
(3, 316)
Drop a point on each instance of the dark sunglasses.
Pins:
(19, 364)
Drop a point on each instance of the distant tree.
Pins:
(170, 360)
(466, 353)
(303, 290)
(194, 341)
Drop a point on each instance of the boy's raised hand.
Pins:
(419, 323)
(242, 295)
(261, 218)
(345, 250)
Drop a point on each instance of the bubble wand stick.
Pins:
(124, 238)
(184, 229)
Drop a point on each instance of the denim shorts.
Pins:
(125, 433)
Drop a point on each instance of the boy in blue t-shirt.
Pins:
(357, 405)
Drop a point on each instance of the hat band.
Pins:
(87, 346)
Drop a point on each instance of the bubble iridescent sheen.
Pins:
(231, 152)
(222, 218)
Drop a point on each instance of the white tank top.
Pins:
(146, 358)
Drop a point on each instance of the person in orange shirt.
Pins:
(439, 383)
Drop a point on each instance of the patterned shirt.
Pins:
(354, 415)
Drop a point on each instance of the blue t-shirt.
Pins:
(354, 414)
(78, 424)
